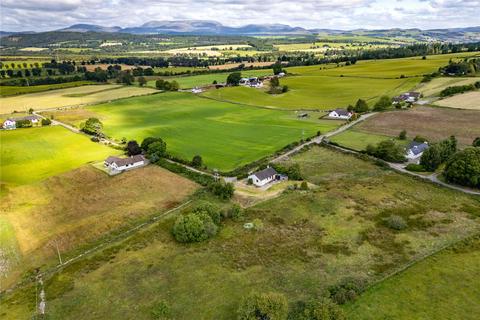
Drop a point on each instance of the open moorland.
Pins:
(225, 135)
(467, 100)
(432, 123)
(75, 208)
(70, 97)
(444, 286)
(333, 232)
(30, 155)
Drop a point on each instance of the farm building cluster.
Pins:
(407, 97)
(19, 122)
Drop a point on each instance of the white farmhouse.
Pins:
(340, 114)
(263, 177)
(415, 150)
(116, 164)
(11, 123)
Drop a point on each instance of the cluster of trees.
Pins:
(387, 150)
(274, 306)
(383, 104)
(361, 106)
(221, 189)
(93, 126)
(233, 79)
(464, 168)
(154, 148)
(275, 87)
(465, 67)
(161, 84)
(449, 91)
(438, 153)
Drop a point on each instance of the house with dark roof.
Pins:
(11, 123)
(340, 114)
(263, 177)
(408, 97)
(116, 164)
(415, 150)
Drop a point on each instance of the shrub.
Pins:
(235, 212)
(438, 153)
(197, 161)
(221, 189)
(263, 306)
(133, 148)
(396, 223)
(361, 106)
(304, 185)
(415, 167)
(92, 126)
(209, 209)
(193, 228)
(387, 150)
(257, 224)
(476, 142)
(346, 291)
(383, 104)
(464, 168)
(23, 123)
(323, 309)
(233, 79)
(157, 150)
(46, 122)
(402, 135)
(94, 139)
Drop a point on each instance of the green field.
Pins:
(310, 240)
(29, 155)
(434, 87)
(14, 90)
(225, 135)
(444, 286)
(187, 82)
(316, 92)
(359, 140)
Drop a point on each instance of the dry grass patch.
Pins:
(229, 66)
(468, 100)
(433, 123)
(434, 87)
(82, 205)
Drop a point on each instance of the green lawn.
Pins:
(317, 92)
(225, 135)
(33, 154)
(444, 286)
(359, 140)
(14, 90)
(187, 82)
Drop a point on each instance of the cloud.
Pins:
(41, 15)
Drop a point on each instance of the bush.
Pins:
(235, 212)
(476, 142)
(323, 309)
(415, 167)
(197, 161)
(402, 135)
(46, 122)
(386, 150)
(209, 209)
(221, 189)
(94, 139)
(304, 185)
(438, 153)
(396, 223)
(346, 291)
(194, 228)
(464, 168)
(257, 224)
(23, 123)
(361, 106)
(383, 104)
(264, 306)
(133, 148)
(92, 126)
(233, 79)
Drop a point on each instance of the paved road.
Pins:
(320, 138)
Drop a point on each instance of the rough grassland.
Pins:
(433, 123)
(33, 154)
(467, 100)
(69, 97)
(14, 90)
(78, 207)
(310, 240)
(445, 286)
(225, 135)
(316, 92)
(358, 140)
(434, 87)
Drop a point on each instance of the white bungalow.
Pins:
(415, 150)
(11, 123)
(340, 114)
(263, 177)
(197, 90)
(121, 164)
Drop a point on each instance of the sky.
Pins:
(43, 15)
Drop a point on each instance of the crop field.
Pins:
(192, 125)
(432, 123)
(321, 47)
(78, 207)
(316, 92)
(467, 100)
(333, 232)
(236, 65)
(70, 97)
(216, 50)
(434, 87)
(444, 286)
(14, 90)
(29, 155)
(187, 82)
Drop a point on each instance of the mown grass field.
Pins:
(334, 232)
(14, 90)
(467, 100)
(225, 135)
(76, 208)
(444, 286)
(29, 155)
(316, 92)
(359, 140)
(435, 124)
(434, 87)
(70, 97)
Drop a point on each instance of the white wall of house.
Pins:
(9, 124)
(260, 183)
(334, 114)
(126, 167)
(410, 155)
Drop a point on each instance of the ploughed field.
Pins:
(33, 154)
(225, 135)
(332, 232)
